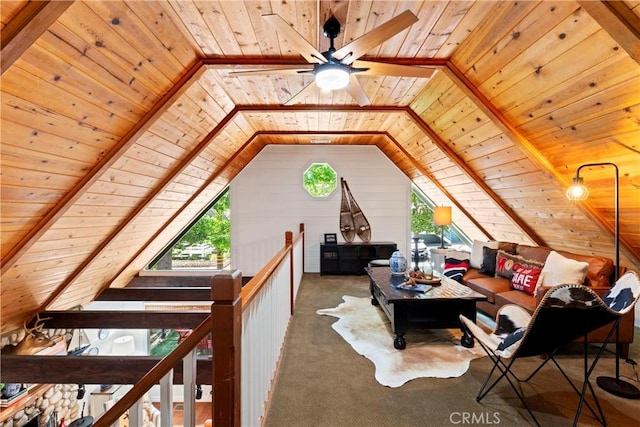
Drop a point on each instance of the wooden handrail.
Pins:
(155, 374)
(228, 389)
(253, 286)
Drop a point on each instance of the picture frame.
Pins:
(330, 238)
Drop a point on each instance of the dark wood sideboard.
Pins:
(352, 258)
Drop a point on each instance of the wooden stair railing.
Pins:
(155, 374)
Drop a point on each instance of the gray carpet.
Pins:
(321, 381)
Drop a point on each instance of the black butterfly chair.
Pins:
(566, 312)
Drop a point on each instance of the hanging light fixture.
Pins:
(331, 76)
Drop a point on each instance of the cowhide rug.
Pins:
(429, 353)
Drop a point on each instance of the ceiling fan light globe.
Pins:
(332, 78)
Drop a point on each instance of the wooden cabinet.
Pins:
(352, 258)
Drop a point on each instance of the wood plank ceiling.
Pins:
(121, 121)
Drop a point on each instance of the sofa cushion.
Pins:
(560, 270)
(489, 286)
(488, 266)
(477, 252)
(536, 253)
(510, 247)
(525, 277)
(505, 262)
(472, 273)
(523, 299)
(600, 268)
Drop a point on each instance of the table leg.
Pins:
(468, 311)
(399, 343)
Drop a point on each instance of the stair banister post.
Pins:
(226, 315)
(166, 400)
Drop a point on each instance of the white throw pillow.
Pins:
(560, 270)
(476, 252)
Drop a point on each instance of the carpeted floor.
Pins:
(322, 382)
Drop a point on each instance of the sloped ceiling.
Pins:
(121, 121)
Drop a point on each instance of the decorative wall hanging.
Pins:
(352, 219)
(346, 220)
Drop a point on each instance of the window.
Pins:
(320, 179)
(205, 244)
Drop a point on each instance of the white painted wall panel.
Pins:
(267, 198)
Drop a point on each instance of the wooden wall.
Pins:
(121, 121)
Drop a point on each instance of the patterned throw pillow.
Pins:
(505, 262)
(488, 265)
(525, 278)
(455, 268)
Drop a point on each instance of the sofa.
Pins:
(535, 270)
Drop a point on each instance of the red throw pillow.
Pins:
(525, 277)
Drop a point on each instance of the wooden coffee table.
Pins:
(438, 308)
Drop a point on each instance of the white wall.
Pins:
(267, 198)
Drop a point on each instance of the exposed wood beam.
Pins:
(50, 218)
(156, 294)
(407, 110)
(194, 196)
(453, 156)
(128, 319)
(91, 370)
(26, 27)
(619, 21)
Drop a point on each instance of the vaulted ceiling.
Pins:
(122, 120)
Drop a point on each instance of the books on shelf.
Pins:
(5, 402)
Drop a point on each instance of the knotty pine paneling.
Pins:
(556, 78)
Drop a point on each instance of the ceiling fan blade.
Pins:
(294, 38)
(384, 69)
(354, 50)
(357, 92)
(306, 91)
(267, 71)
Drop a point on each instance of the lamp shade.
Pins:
(332, 77)
(123, 346)
(442, 215)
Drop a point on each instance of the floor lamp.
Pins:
(578, 191)
(442, 217)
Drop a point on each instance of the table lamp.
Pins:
(442, 218)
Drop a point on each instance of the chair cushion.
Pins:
(511, 339)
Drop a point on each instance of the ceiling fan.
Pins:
(337, 69)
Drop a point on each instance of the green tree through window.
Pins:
(206, 243)
(320, 180)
